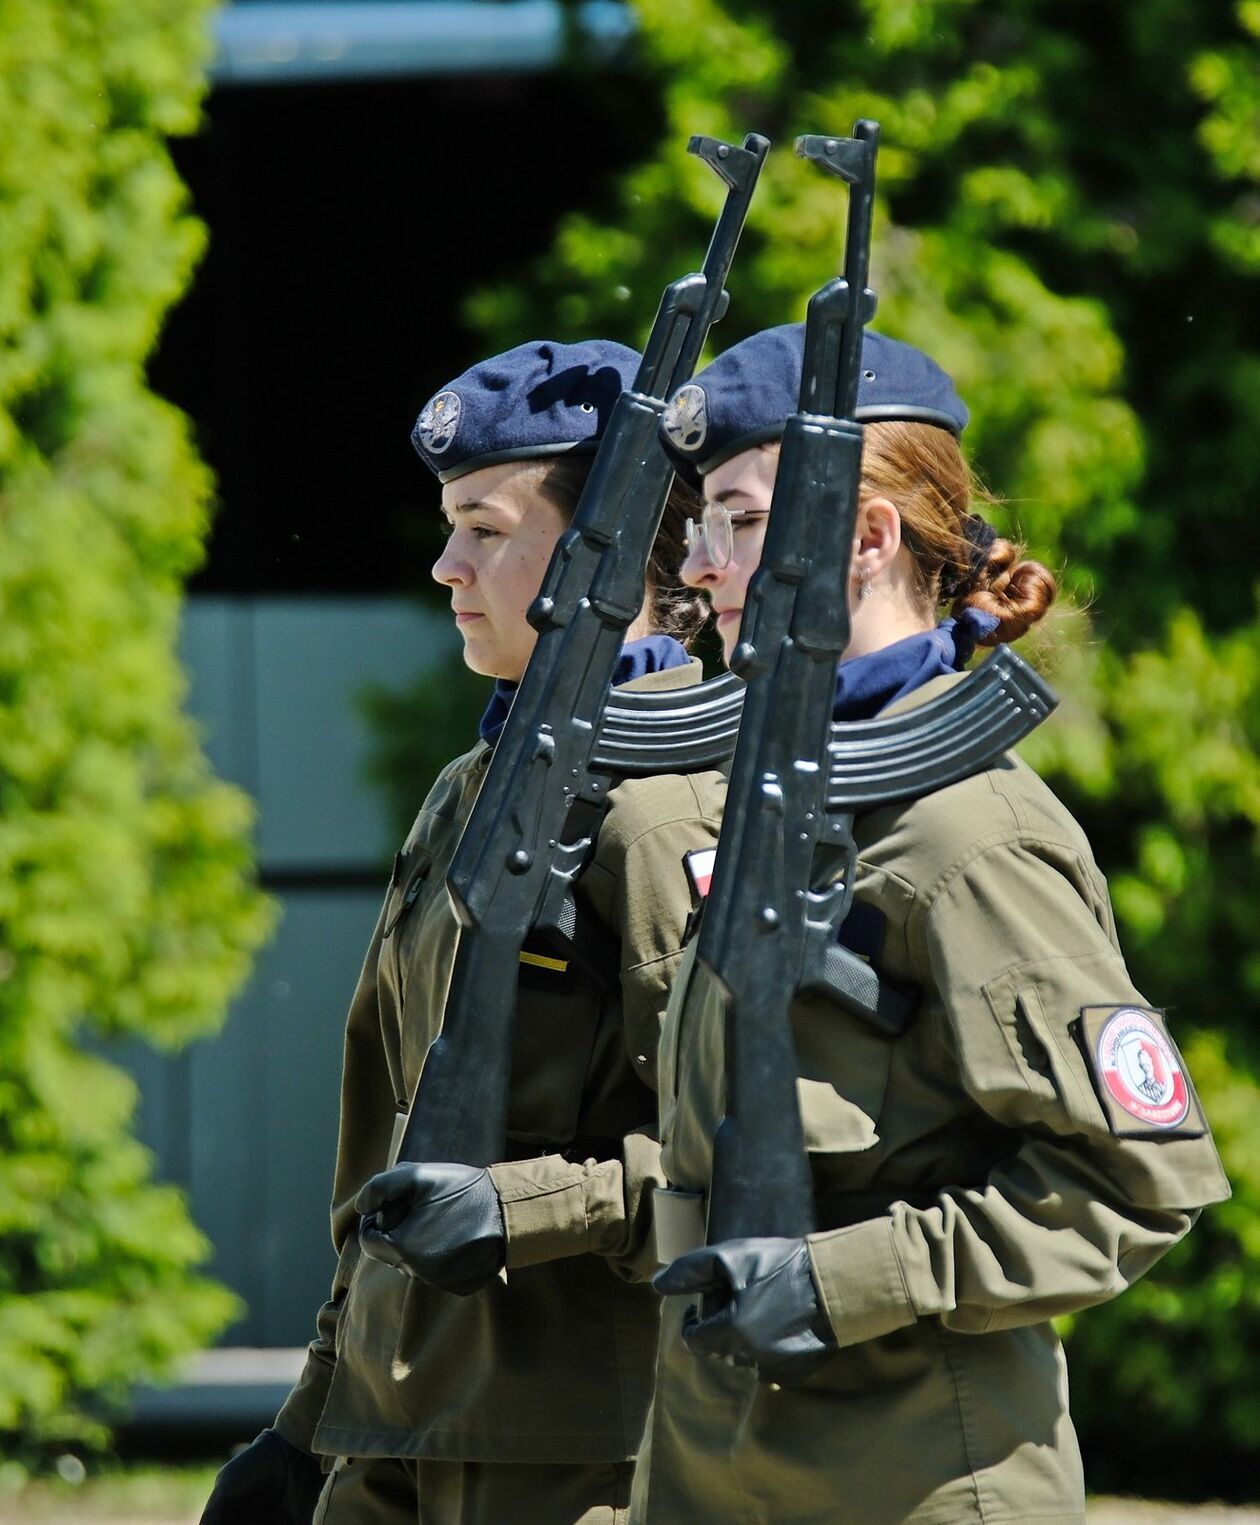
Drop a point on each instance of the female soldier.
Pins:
(525, 1402)
(999, 1162)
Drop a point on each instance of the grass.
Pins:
(146, 1495)
(174, 1495)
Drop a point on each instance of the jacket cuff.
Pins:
(300, 1413)
(544, 1209)
(860, 1281)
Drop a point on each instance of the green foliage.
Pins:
(1069, 219)
(1174, 1352)
(127, 903)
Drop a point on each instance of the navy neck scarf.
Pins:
(653, 653)
(868, 684)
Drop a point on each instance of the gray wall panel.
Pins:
(313, 662)
(246, 1122)
(264, 1116)
(218, 651)
(316, 968)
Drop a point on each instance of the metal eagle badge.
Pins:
(437, 424)
(686, 418)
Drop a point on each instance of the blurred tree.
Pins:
(127, 899)
(1069, 220)
(418, 729)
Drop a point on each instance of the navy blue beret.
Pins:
(747, 395)
(538, 399)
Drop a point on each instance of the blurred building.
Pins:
(365, 164)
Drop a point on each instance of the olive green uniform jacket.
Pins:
(970, 1171)
(974, 1188)
(554, 1362)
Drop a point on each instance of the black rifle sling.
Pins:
(514, 866)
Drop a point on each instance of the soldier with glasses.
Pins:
(1025, 1145)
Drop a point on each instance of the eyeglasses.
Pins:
(714, 530)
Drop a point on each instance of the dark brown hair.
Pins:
(673, 608)
(921, 470)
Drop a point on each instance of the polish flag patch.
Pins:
(699, 867)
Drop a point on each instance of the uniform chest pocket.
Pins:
(415, 879)
(844, 1065)
(691, 1073)
(555, 1042)
(845, 1060)
(408, 889)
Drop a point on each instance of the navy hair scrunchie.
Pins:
(867, 684)
(979, 535)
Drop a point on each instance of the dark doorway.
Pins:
(347, 225)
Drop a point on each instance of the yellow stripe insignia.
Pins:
(560, 965)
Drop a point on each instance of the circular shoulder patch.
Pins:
(1140, 1070)
(686, 418)
(436, 426)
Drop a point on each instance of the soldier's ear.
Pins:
(877, 537)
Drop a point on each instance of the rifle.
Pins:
(534, 821)
(783, 877)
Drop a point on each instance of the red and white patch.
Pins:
(699, 867)
(1140, 1070)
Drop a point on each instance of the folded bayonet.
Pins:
(531, 828)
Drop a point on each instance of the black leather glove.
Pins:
(269, 1483)
(762, 1307)
(439, 1223)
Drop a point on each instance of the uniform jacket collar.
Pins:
(657, 657)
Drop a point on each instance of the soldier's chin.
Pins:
(485, 658)
(728, 632)
(478, 659)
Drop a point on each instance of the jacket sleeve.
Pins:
(1074, 1213)
(553, 1208)
(637, 885)
(368, 1107)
